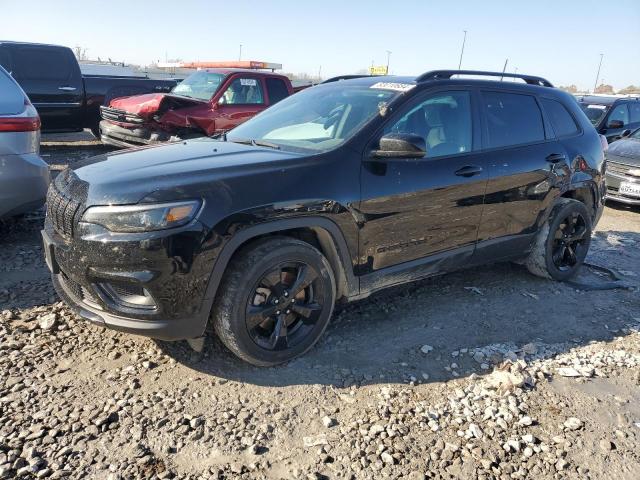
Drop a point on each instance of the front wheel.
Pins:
(276, 300)
(563, 241)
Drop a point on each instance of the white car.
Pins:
(24, 177)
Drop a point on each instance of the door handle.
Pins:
(469, 171)
(555, 158)
(68, 89)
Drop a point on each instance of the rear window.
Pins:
(12, 98)
(277, 89)
(512, 119)
(561, 120)
(41, 64)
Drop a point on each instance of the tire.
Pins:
(260, 299)
(95, 131)
(555, 254)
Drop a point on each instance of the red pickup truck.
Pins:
(208, 102)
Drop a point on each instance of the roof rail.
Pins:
(445, 74)
(346, 77)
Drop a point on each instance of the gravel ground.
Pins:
(485, 373)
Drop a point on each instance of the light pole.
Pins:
(595, 85)
(240, 54)
(462, 49)
(388, 56)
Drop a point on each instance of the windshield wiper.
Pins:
(257, 143)
(263, 143)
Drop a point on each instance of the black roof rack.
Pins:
(445, 74)
(346, 77)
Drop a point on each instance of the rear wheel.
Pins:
(275, 302)
(563, 242)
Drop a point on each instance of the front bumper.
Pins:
(112, 134)
(169, 265)
(613, 189)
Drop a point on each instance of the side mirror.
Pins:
(615, 124)
(626, 133)
(401, 145)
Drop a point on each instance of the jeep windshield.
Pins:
(315, 120)
(200, 85)
(594, 112)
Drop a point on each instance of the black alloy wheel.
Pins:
(284, 306)
(276, 299)
(569, 241)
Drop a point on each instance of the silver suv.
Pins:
(24, 177)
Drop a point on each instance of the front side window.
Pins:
(634, 112)
(243, 91)
(317, 119)
(561, 120)
(512, 119)
(41, 64)
(619, 113)
(443, 120)
(200, 85)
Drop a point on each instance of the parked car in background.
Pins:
(333, 193)
(623, 169)
(208, 102)
(612, 116)
(24, 177)
(66, 100)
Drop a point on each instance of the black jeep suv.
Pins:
(336, 192)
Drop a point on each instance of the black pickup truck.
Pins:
(67, 100)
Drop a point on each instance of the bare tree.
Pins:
(630, 89)
(80, 53)
(602, 88)
(570, 89)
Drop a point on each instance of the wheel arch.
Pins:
(584, 192)
(320, 232)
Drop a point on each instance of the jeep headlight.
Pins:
(142, 218)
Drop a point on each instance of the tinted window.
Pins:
(444, 121)
(243, 91)
(41, 64)
(634, 112)
(619, 112)
(12, 99)
(561, 120)
(5, 61)
(512, 119)
(277, 90)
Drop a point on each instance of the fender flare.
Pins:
(329, 235)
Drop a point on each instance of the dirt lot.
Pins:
(485, 373)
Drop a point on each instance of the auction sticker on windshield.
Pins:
(248, 82)
(398, 87)
(597, 107)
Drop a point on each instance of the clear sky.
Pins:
(560, 40)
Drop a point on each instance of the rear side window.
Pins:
(561, 120)
(634, 112)
(5, 60)
(12, 99)
(512, 119)
(277, 90)
(41, 64)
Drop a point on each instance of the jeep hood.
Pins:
(156, 173)
(147, 105)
